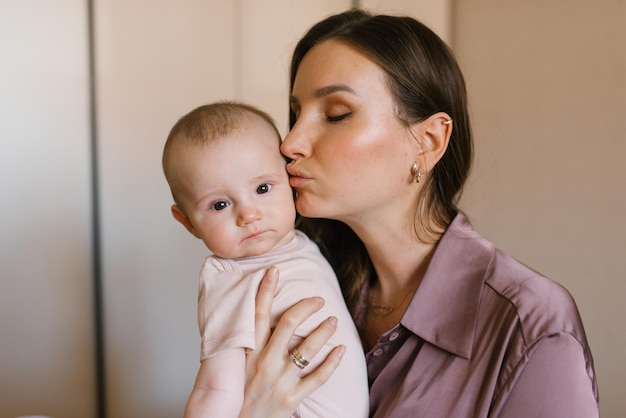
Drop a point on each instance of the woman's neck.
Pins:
(399, 269)
(400, 260)
(398, 256)
(400, 264)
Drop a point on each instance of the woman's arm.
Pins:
(273, 387)
(554, 383)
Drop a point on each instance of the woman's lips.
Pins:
(297, 178)
(297, 181)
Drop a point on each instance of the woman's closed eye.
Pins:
(337, 118)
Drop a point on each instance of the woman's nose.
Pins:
(297, 143)
(248, 215)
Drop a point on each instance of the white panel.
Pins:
(156, 61)
(46, 321)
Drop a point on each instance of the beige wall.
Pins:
(547, 90)
(547, 86)
(46, 321)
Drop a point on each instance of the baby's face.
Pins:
(236, 192)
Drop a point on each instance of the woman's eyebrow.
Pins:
(333, 88)
(326, 91)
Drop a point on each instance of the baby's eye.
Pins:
(337, 118)
(220, 205)
(263, 188)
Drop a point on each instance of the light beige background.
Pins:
(547, 82)
(547, 86)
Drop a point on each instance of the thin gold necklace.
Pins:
(383, 311)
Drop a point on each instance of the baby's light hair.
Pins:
(205, 125)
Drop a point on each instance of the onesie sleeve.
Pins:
(554, 383)
(226, 307)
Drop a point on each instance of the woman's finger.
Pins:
(295, 387)
(312, 344)
(290, 320)
(264, 299)
(272, 379)
(321, 374)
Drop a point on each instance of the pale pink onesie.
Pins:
(226, 310)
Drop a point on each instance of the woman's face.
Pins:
(351, 155)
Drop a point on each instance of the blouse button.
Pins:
(378, 352)
(393, 336)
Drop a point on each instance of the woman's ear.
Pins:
(178, 214)
(435, 134)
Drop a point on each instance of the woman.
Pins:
(380, 147)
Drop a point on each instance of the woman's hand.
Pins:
(273, 386)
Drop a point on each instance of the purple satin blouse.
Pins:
(484, 336)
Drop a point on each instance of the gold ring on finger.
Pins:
(297, 359)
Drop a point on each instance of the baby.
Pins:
(228, 180)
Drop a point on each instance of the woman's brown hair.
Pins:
(423, 78)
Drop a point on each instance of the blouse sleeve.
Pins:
(555, 383)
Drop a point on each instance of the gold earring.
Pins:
(415, 172)
(447, 122)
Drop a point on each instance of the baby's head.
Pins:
(223, 164)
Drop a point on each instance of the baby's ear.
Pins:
(437, 131)
(178, 214)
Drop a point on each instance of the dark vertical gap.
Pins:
(95, 210)
(356, 4)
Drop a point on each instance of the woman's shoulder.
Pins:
(543, 307)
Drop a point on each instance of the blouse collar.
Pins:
(444, 309)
